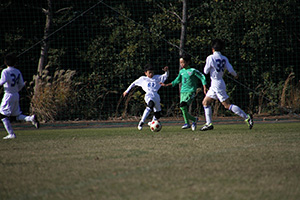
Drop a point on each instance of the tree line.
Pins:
(79, 56)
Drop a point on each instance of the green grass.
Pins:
(230, 162)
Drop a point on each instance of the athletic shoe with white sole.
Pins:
(35, 122)
(140, 126)
(194, 124)
(207, 127)
(186, 126)
(249, 121)
(10, 136)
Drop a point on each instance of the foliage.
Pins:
(109, 45)
(55, 95)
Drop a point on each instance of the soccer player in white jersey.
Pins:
(215, 65)
(12, 81)
(150, 84)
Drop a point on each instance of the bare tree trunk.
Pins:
(45, 45)
(183, 27)
(183, 31)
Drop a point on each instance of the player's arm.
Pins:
(230, 69)
(165, 85)
(21, 82)
(200, 76)
(204, 89)
(164, 76)
(130, 87)
(3, 78)
(207, 65)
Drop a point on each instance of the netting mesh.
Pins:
(97, 48)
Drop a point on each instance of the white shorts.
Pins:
(217, 94)
(156, 100)
(10, 105)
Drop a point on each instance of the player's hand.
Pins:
(166, 68)
(124, 94)
(165, 85)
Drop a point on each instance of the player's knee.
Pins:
(206, 102)
(226, 106)
(151, 104)
(183, 104)
(157, 114)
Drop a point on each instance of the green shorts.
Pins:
(187, 97)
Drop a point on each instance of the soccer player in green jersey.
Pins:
(189, 78)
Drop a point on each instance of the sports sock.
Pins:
(7, 126)
(146, 113)
(235, 109)
(24, 118)
(208, 114)
(186, 115)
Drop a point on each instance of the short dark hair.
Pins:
(217, 45)
(186, 57)
(10, 59)
(148, 67)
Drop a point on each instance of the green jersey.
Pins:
(189, 77)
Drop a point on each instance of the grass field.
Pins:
(230, 162)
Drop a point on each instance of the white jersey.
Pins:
(12, 80)
(149, 85)
(215, 65)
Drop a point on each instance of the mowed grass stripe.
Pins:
(229, 162)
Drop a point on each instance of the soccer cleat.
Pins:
(140, 126)
(10, 136)
(194, 124)
(149, 123)
(35, 122)
(249, 121)
(207, 127)
(186, 126)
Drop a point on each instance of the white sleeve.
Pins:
(230, 68)
(207, 65)
(134, 83)
(164, 76)
(21, 83)
(3, 78)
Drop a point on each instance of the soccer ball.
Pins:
(155, 126)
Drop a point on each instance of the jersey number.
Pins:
(220, 65)
(15, 79)
(151, 84)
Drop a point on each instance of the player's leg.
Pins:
(8, 127)
(156, 108)
(146, 113)
(5, 111)
(207, 112)
(33, 119)
(185, 100)
(238, 111)
(184, 110)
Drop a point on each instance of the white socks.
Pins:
(235, 109)
(238, 111)
(146, 113)
(25, 118)
(7, 126)
(208, 114)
